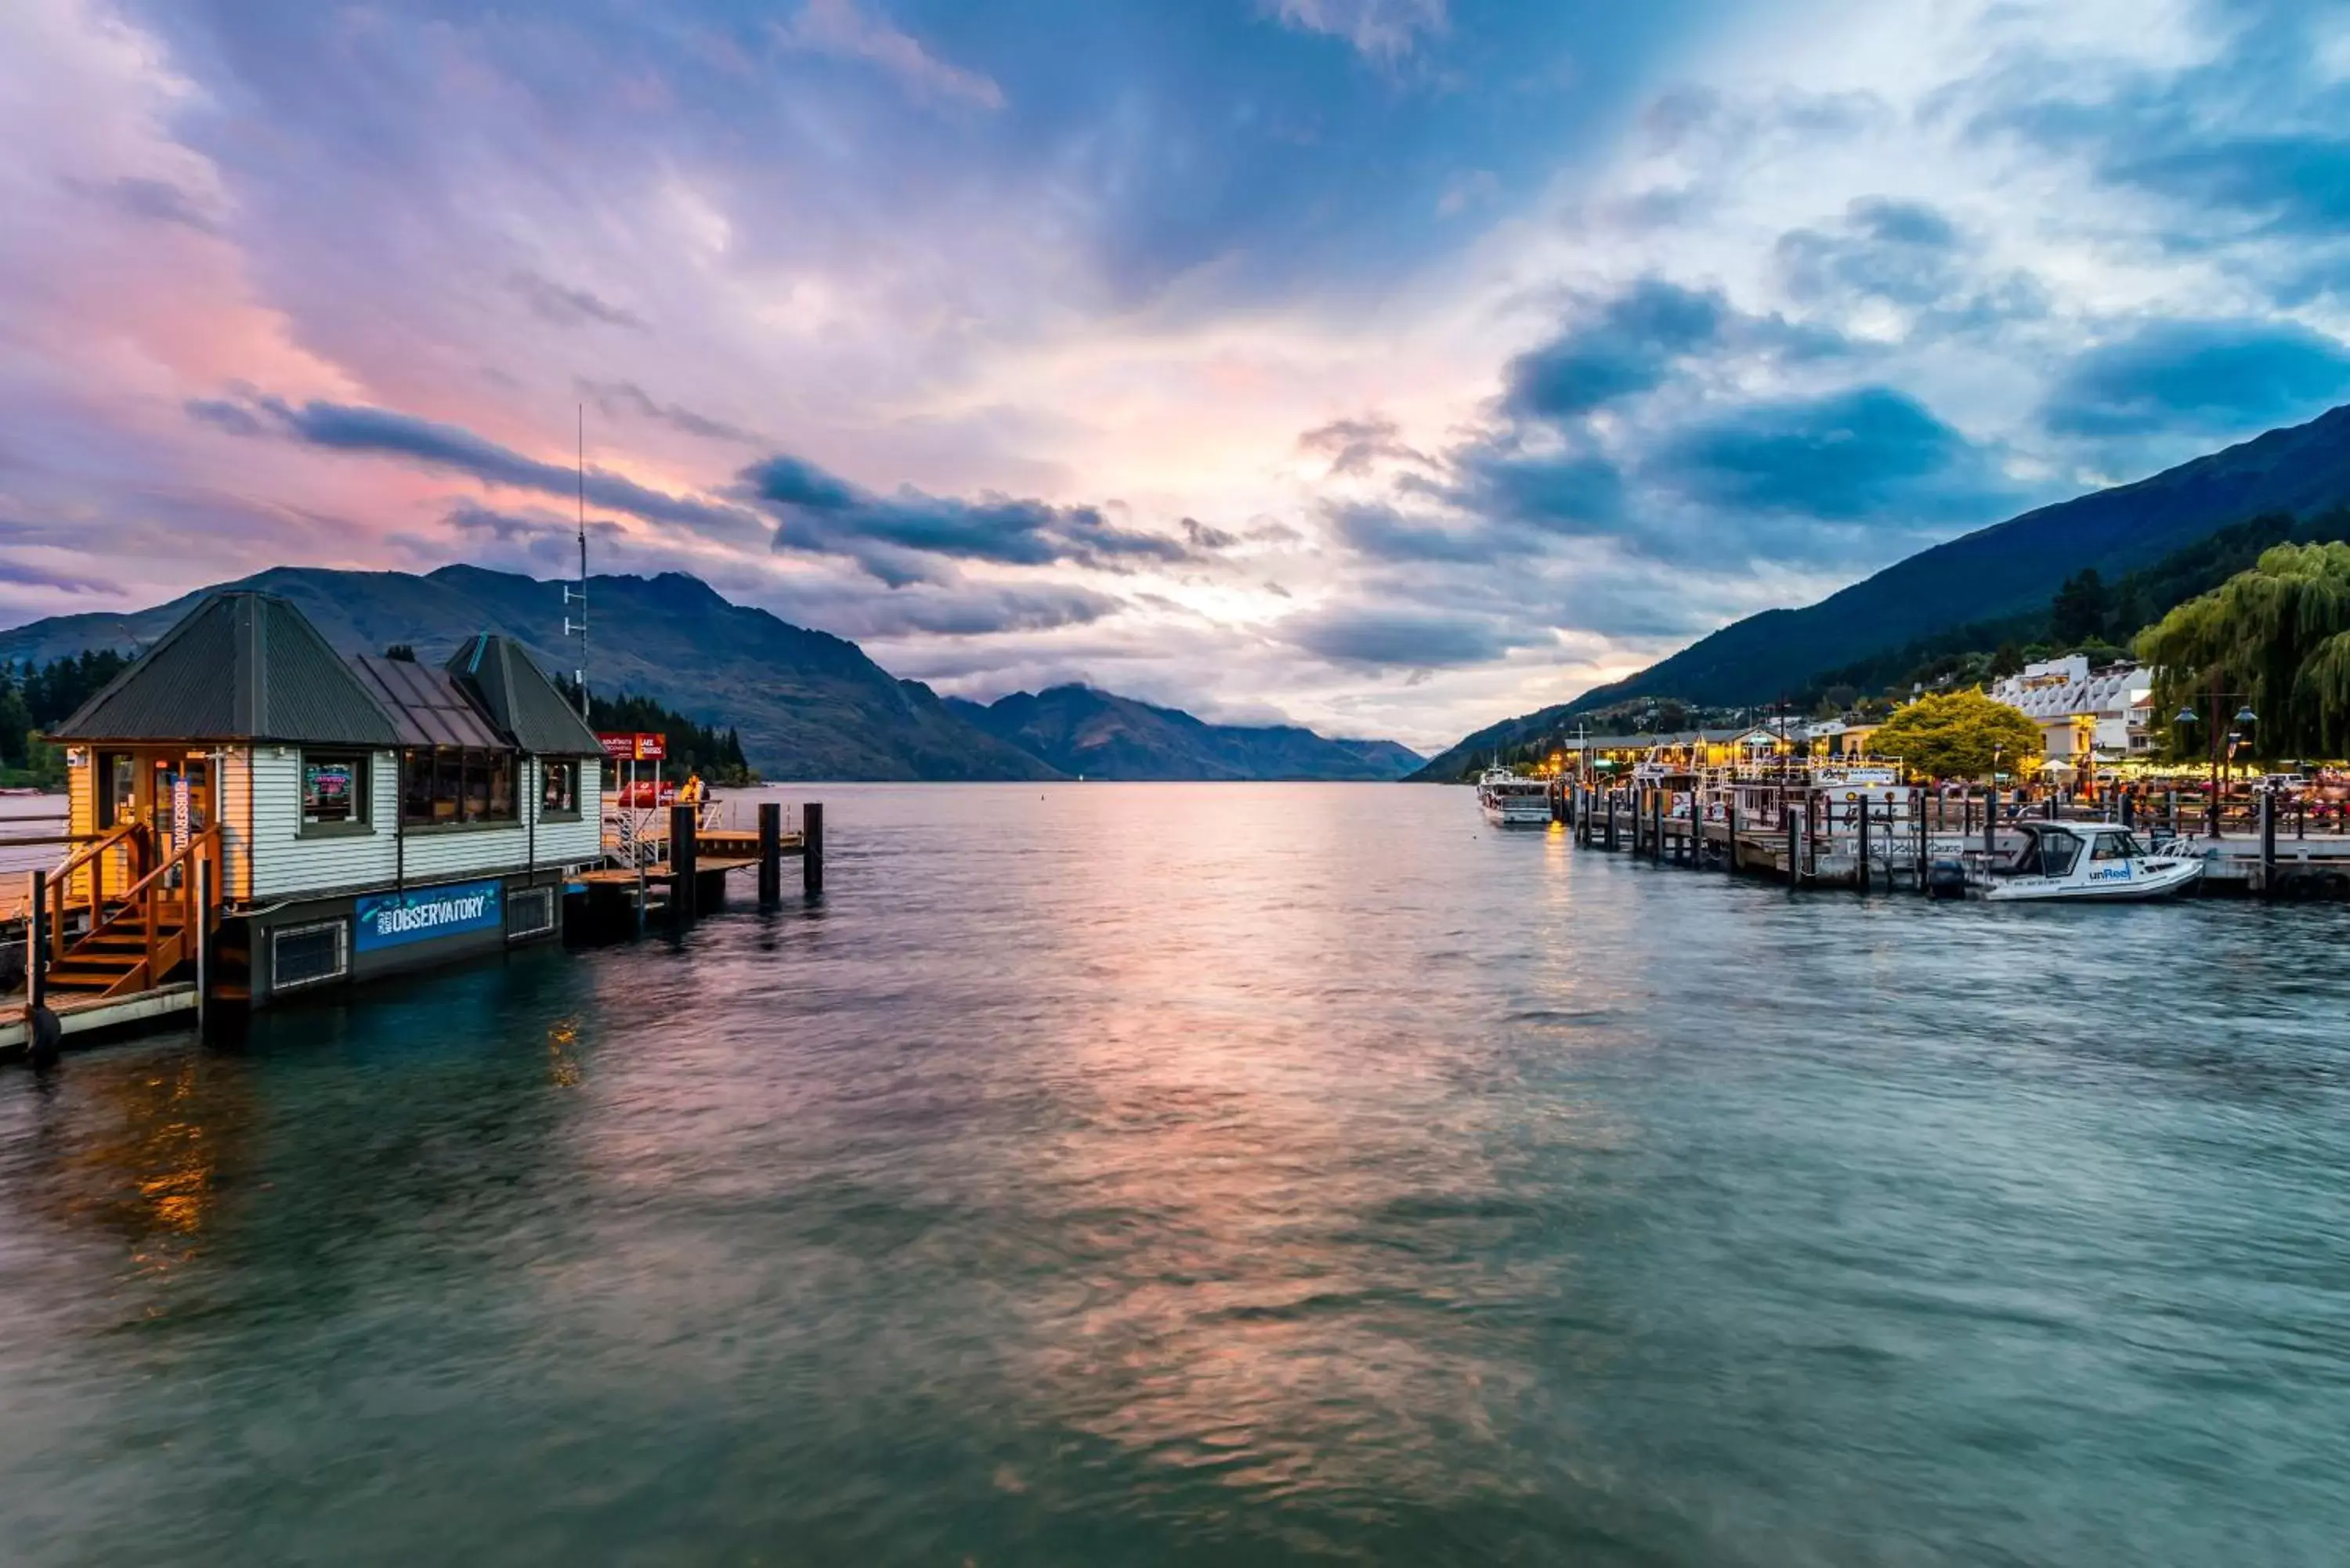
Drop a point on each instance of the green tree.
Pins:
(2008, 660)
(2078, 612)
(1957, 735)
(2277, 637)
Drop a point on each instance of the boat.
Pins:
(2085, 862)
(1512, 800)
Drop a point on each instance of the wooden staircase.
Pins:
(138, 939)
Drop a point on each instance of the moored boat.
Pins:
(2087, 862)
(1512, 800)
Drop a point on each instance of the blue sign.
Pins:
(388, 920)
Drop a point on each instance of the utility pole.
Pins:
(579, 593)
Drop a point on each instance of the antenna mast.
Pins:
(579, 593)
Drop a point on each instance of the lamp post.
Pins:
(2245, 717)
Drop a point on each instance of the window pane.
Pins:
(416, 790)
(501, 786)
(448, 784)
(333, 786)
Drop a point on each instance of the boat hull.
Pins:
(1517, 812)
(2145, 885)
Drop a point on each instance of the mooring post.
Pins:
(812, 847)
(684, 863)
(2171, 797)
(771, 851)
(36, 946)
(201, 919)
(2268, 844)
(1864, 843)
(1921, 839)
(1795, 845)
(1730, 834)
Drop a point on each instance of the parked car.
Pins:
(2285, 785)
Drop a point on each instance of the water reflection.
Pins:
(1158, 1176)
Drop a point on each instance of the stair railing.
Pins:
(93, 856)
(158, 892)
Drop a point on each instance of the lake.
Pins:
(1216, 1174)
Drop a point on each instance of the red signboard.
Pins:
(635, 748)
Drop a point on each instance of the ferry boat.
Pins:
(2090, 862)
(1512, 800)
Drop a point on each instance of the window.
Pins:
(2115, 847)
(530, 913)
(2057, 853)
(334, 787)
(118, 789)
(558, 789)
(451, 784)
(306, 955)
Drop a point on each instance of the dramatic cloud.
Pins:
(385, 433)
(988, 334)
(1627, 349)
(2213, 377)
(1868, 452)
(828, 516)
(1396, 638)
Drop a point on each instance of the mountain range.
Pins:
(1093, 735)
(807, 704)
(1987, 576)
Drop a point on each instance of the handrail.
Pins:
(200, 848)
(99, 845)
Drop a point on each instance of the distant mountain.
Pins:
(807, 705)
(1987, 576)
(1077, 730)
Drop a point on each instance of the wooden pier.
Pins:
(1876, 839)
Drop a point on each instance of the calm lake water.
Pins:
(1222, 1174)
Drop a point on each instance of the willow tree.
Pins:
(2277, 637)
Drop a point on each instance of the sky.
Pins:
(1387, 366)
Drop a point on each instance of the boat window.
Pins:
(334, 786)
(449, 784)
(2057, 853)
(2115, 847)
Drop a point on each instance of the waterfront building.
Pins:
(349, 817)
(2083, 712)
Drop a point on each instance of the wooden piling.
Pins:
(770, 852)
(1794, 845)
(812, 849)
(1729, 833)
(2268, 844)
(201, 919)
(1991, 823)
(1864, 843)
(36, 945)
(683, 863)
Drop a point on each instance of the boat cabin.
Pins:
(331, 818)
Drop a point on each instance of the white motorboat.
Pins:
(1512, 800)
(2094, 862)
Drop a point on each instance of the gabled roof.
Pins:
(240, 666)
(426, 705)
(520, 699)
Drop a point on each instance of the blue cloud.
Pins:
(1901, 250)
(1398, 637)
(2212, 378)
(1869, 452)
(1627, 349)
(818, 511)
(385, 432)
(2292, 184)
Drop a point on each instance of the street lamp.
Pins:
(2245, 719)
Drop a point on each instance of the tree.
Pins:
(2276, 636)
(2078, 611)
(2008, 660)
(1957, 734)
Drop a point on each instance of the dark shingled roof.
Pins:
(241, 667)
(426, 705)
(523, 702)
